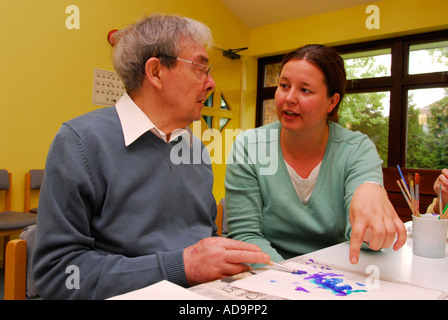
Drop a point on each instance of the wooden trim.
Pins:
(427, 195)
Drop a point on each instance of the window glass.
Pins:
(272, 74)
(368, 64)
(369, 114)
(427, 128)
(209, 102)
(224, 105)
(208, 120)
(223, 122)
(429, 57)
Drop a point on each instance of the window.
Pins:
(368, 112)
(217, 112)
(268, 76)
(428, 57)
(368, 64)
(397, 94)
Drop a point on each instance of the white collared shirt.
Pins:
(135, 123)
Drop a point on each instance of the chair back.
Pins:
(5, 185)
(36, 177)
(33, 181)
(4, 179)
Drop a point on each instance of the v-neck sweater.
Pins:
(121, 214)
(262, 204)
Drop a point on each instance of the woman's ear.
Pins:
(154, 72)
(333, 102)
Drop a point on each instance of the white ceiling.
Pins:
(256, 13)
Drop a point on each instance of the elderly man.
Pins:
(115, 213)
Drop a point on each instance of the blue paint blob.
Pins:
(300, 272)
(336, 285)
(302, 289)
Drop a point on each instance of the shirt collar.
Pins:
(135, 123)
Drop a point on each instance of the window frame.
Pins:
(398, 83)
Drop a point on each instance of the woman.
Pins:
(328, 184)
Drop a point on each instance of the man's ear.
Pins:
(154, 72)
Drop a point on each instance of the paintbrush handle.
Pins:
(275, 264)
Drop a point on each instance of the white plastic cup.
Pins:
(429, 235)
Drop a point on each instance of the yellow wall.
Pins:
(46, 70)
(397, 18)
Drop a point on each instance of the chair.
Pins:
(11, 222)
(15, 270)
(221, 218)
(19, 284)
(33, 181)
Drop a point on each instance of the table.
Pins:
(399, 266)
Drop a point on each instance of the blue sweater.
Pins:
(121, 215)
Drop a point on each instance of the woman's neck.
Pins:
(303, 151)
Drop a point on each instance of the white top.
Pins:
(304, 187)
(135, 123)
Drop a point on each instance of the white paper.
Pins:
(163, 290)
(317, 281)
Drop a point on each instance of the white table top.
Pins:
(399, 266)
(402, 265)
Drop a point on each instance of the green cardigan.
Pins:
(263, 207)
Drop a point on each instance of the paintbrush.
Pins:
(405, 194)
(445, 212)
(417, 192)
(275, 264)
(402, 177)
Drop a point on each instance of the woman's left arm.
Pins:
(372, 216)
(374, 220)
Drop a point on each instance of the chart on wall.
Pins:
(107, 87)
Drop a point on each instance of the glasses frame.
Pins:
(205, 69)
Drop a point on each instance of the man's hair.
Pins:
(153, 36)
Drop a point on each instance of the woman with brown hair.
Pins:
(327, 186)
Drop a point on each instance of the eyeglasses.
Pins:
(205, 69)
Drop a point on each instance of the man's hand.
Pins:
(374, 220)
(216, 258)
